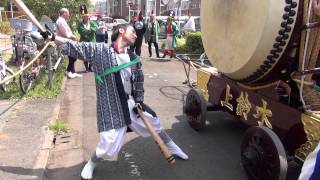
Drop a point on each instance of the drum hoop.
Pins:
(287, 26)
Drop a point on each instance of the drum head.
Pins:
(238, 36)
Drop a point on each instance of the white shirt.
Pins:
(63, 28)
(126, 72)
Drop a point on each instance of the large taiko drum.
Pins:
(252, 41)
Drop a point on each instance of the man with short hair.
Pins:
(139, 26)
(63, 30)
(151, 35)
(118, 91)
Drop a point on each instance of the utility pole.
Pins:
(121, 7)
(11, 9)
(155, 7)
(179, 13)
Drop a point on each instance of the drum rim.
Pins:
(288, 22)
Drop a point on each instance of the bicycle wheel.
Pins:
(26, 78)
(9, 73)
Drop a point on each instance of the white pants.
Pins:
(111, 141)
(169, 41)
(311, 165)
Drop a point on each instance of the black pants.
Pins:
(87, 65)
(156, 47)
(137, 46)
(70, 67)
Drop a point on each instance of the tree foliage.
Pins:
(51, 8)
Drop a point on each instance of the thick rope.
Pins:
(29, 64)
(309, 51)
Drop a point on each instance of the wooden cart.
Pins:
(279, 132)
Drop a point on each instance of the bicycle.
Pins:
(33, 54)
(5, 72)
(49, 59)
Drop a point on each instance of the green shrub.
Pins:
(194, 43)
(41, 89)
(57, 127)
(181, 46)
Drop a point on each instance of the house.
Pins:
(122, 8)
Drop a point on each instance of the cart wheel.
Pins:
(196, 109)
(262, 155)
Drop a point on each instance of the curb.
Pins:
(40, 165)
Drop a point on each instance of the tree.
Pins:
(5, 5)
(51, 8)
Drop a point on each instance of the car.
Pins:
(162, 25)
(120, 21)
(190, 25)
(197, 23)
(116, 22)
(108, 22)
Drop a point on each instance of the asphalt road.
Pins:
(214, 152)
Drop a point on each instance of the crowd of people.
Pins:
(96, 31)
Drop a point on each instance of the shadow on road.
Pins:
(214, 153)
(174, 92)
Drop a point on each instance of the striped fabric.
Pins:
(112, 107)
(311, 166)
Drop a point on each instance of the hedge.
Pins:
(193, 44)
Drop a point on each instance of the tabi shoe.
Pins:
(70, 75)
(176, 151)
(77, 75)
(87, 170)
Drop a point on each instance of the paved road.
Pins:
(214, 152)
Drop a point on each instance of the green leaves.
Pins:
(57, 127)
(192, 44)
(51, 8)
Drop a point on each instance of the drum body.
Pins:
(251, 41)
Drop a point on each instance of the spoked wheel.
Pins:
(263, 155)
(9, 73)
(26, 78)
(196, 109)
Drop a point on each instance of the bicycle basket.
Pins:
(21, 24)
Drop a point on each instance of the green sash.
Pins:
(115, 69)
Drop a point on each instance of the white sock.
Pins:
(88, 170)
(175, 150)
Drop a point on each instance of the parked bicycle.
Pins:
(5, 72)
(33, 54)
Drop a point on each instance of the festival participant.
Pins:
(151, 35)
(117, 94)
(139, 26)
(172, 31)
(87, 30)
